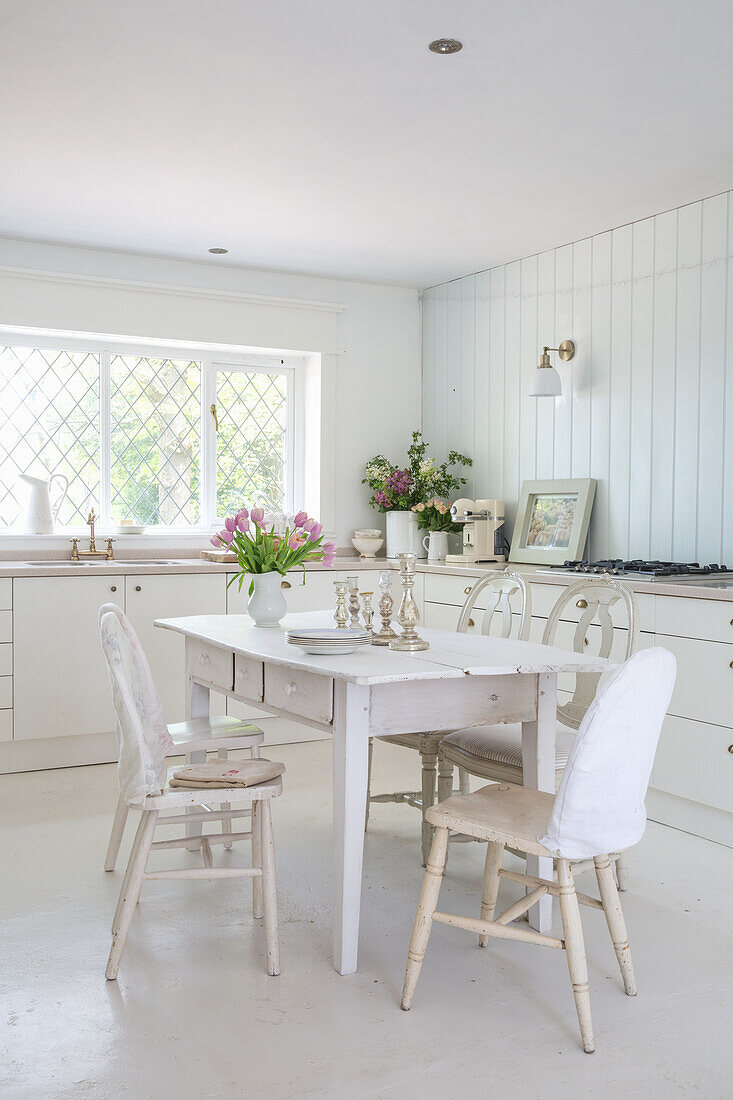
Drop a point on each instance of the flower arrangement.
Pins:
(261, 548)
(434, 515)
(396, 488)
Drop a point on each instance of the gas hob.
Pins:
(642, 569)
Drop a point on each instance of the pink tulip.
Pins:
(257, 515)
(216, 541)
(243, 523)
(226, 536)
(308, 524)
(300, 519)
(242, 514)
(295, 541)
(229, 523)
(315, 532)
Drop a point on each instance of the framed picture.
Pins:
(552, 521)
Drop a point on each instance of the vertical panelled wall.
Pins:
(647, 404)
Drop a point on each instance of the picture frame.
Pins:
(552, 520)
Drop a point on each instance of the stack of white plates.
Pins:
(329, 641)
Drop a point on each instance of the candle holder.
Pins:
(367, 613)
(386, 634)
(408, 616)
(354, 605)
(341, 614)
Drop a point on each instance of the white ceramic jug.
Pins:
(40, 513)
(436, 544)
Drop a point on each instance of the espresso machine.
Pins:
(483, 531)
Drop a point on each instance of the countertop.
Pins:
(150, 564)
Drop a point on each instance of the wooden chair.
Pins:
(144, 784)
(495, 752)
(197, 736)
(598, 808)
(503, 588)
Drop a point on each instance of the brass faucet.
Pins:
(92, 552)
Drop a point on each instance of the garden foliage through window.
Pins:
(131, 432)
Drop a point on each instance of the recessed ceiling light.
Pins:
(445, 45)
(218, 251)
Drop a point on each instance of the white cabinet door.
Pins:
(60, 685)
(166, 596)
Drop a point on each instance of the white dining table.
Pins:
(461, 680)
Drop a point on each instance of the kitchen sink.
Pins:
(116, 562)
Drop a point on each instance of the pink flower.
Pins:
(442, 508)
(216, 541)
(300, 519)
(329, 553)
(242, 514)
(229, 523)
(308, 524)
(315, 532)
(243, 523)
(295, 542)
(226, 536)
(257, 515)
(419, 507)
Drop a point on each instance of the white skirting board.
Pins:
(690, 817)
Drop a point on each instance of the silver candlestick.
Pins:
(367, 613)
(408, 616)
(354, 606)
(341, 614)
(386, 634)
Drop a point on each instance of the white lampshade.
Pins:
(546, 382)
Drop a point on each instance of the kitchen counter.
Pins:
(710, 588)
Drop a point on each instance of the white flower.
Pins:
(378, 470)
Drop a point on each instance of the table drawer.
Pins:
(704, 686)
(299, 692)
(686, 617)
(6, 593)
(6, 725)
(6, 659)
(210, 665)
(6, 626)
(6, 692)
(248, 677)
(693, 761)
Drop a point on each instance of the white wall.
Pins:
(369, 335)
(647, 405)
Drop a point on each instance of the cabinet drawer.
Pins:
(6, 692)
(210, 665)
(441, 588)
(6, 725)
(686, 617)
(299, 692)
(248, 677)
(545, 596)
(6, 659)
(6, 626)
(442, 616)
(6, 593)
(693, 762)
(704, 686)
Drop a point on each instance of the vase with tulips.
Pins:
(266, 551)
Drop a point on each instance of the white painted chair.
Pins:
(495, 752)
(197, 736)
(144, 784)
(508, 593)
(599, 808)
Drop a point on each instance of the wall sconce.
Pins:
(546, 381)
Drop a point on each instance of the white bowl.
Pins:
(367, 533)
(368, 547)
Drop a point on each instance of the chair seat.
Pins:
(504, 812)
(191, 796)
(215, 732)
(503, 744)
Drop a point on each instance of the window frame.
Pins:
(211, 359)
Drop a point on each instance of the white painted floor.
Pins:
(193, 1014)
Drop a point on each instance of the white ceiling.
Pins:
(322, 136)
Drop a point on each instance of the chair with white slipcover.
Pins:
(599, 808)
(148, 786)
(193, 738)
(507, 598)
(495, 752)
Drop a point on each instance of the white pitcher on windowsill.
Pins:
(40, 514)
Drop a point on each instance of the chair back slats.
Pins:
(503, 587)
(599, 595)
(599, 807)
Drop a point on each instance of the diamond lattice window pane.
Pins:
(251, 442)
(49, 423)
(155, 459)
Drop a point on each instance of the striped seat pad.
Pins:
(503, 743)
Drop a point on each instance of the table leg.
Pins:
(197, 706)
(350, 768)
(538, 756)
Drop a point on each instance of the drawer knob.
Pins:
(581, 602)
(286, 584)
(471, 622)
(731, 664)
(138, 588)
(730, 748)
(291, 688)
(467, 591)
(204, 658)
(242, 674)
(113, 588)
